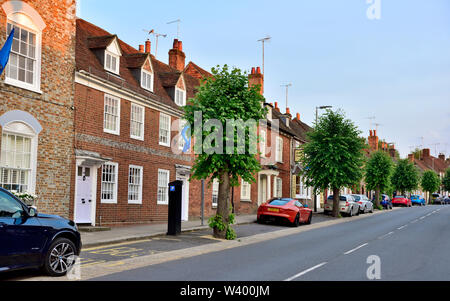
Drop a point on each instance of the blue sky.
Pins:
(396, 68)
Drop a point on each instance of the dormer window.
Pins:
(147, 80)
(112, 62)
(180, 97)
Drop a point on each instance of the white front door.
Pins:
(185, 201)
(83, 199)
(263, 190)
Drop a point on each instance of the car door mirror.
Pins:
(306, 206)
(32, 212)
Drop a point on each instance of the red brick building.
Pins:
(36, 101)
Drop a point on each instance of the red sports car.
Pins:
(290, 210)
(401, 201)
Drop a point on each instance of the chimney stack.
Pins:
(256, 78)
(276, 106)
(288, 112)
(442, 157)
(141, 49)
(411, 158)
(426, 153)
(147, 46)
(373, 141)
(177, 58)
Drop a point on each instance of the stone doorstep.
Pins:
(93, 229)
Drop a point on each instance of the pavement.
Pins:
(404, 244)
(139, 232)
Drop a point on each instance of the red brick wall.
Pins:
(52, 108)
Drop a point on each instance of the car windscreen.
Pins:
(279, 202)
(399, 197)
(357, 197)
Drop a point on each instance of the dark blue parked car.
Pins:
(29, 239)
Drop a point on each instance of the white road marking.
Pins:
(307, 271)
(422, 217)
(402, 227)
(357, 248)
(386, 235)
(414, 221)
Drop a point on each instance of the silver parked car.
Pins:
(347, 205)
(365, 205)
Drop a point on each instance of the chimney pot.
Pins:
(371, 133)
(180, 45)
(298, 116)
(175, 44)
(288, 111)
(258, 70)
(141, 49)
(375, 132)
(253, 70)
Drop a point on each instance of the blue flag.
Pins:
(4, 53)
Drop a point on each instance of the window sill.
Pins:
(108, 201)
(165, 145)
(137, 138)
(111, 132)
(162, 204)
(246, 200)
(134, 202)
(21, 85)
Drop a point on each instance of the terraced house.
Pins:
(36, 101)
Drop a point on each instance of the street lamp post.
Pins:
(317, 120)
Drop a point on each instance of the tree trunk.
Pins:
(336, 202)
(377, 197)
(223, 204)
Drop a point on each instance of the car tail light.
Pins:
(346, 204)
(360, 203)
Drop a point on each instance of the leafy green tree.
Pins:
(378, 174)
(333, 157)
(405, 177)
(446, 180)
(223, 97)
(430, 182)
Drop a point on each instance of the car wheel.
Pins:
(309, 219)
(297, 220)
(60, 257)
(351, 212)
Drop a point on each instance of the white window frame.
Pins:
(19, 128)
(215, 193)
(142, 124)
(161, 117)
(158, 201)
(263, 143)
(36, 86)
(183, 100)
(144, 75)
(116, 184)
(276, 192)
(117, 57)
(246, 195)
(279, 150)
(141, 173)
(117, 130)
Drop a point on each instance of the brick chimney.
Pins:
(426, 153)
(276, 107)
(148, 45)
(256, 78)
(177, 58)
(411, 158)
(392, 151)
(373, 141)
(442, 157)
(141, 49)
